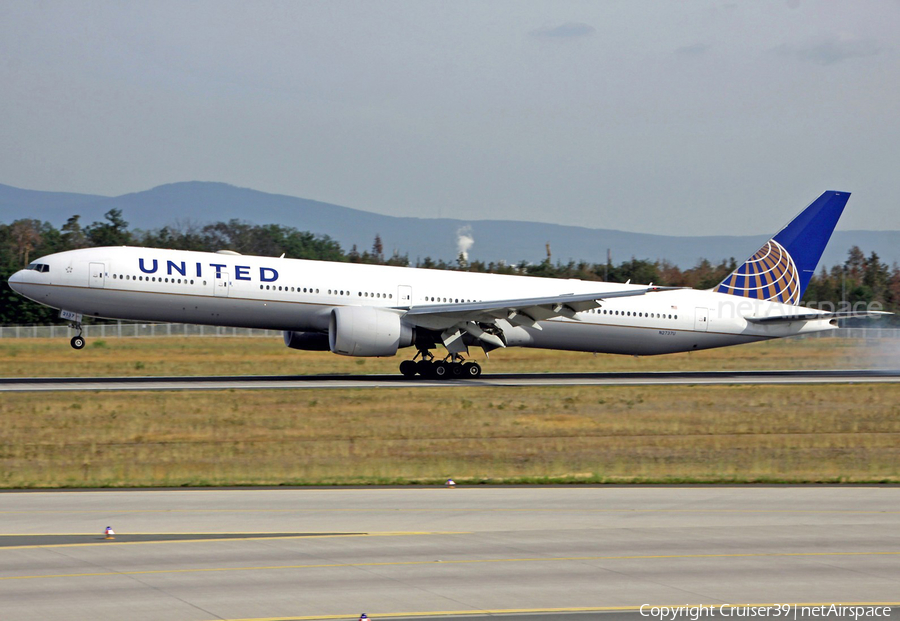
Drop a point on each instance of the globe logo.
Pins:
(770, 274)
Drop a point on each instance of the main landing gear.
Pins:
(77, 341)
(453, 366)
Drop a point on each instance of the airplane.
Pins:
(373, 310)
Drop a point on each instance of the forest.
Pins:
(861, 280)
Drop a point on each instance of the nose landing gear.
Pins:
(453, 366)
(77, 341)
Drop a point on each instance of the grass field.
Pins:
(269, 356)
(830, 433)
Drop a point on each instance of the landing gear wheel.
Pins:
(424, 368)
(471, 370)
(408, 368)
(456, 369)
(440, 370)
(77, 342)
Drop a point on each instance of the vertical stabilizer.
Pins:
(782, 268)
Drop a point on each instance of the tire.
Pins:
(77, 342)
(440, 370)
(424, 367)
(472, 370)
(456, 370)
(408, 368)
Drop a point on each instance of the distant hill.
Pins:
(494, 240)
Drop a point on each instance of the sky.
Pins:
(681, 118)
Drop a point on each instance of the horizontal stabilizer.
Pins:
(815, 316)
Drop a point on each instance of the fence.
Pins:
(124, 329)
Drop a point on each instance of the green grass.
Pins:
(681, 434)
(269, 356)
(717, 434)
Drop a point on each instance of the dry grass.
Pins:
(582, 434)
(268, 356)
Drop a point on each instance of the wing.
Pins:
(485, 320)
(815, 316)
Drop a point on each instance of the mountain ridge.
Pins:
(200, 202)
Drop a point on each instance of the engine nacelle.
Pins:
(366, 331)
(307, 341)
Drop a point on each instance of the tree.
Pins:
(113, 232)
(73, 236)
(26, 235)
(378, 249)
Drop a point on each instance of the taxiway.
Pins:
(335, 553)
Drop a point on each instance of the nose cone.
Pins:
(16, 279)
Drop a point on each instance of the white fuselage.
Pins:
(144, 284)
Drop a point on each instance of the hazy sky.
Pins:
(664, 117)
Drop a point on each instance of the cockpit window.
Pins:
(38, 267)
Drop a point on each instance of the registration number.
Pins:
(70, 316)
(667, 332)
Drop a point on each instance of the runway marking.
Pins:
(450, 562)
(338, 381)
(506, 611)
(257, 537)
(443, 510)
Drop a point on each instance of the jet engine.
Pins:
(307, 341)
(366, 331)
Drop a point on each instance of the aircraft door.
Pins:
(701, 320)
(97, 275)
(223, 284)
(404, 295)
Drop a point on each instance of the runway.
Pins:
(261, 382)
(428, 552)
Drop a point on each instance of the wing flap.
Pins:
(575, 302)
(484, 321)
(526, 312)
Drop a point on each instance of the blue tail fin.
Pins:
(781, 269)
